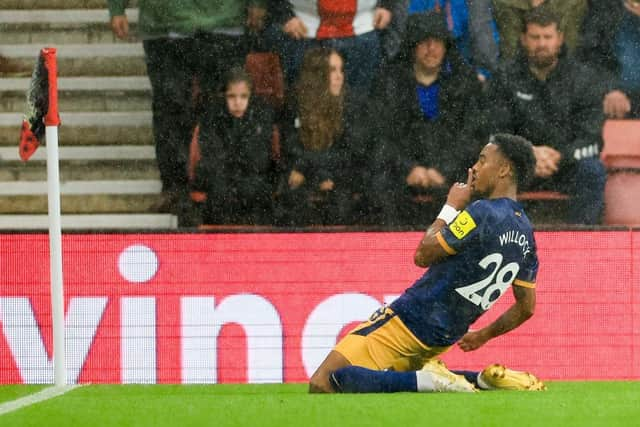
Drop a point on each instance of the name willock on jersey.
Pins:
(515, 236)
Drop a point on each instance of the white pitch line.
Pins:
(46, 394)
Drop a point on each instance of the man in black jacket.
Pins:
(423, 107)
(555, 102)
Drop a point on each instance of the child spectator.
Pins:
(235, 145)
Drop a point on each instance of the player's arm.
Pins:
(521, 310)
(432, 247)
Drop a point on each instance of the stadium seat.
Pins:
(267, 76)
(621, 157)
(545, 206)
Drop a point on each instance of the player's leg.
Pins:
(353, 349)
(433, 377)
(385, 357)
(320, 382)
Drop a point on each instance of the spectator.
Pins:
(547, 97)
(184, 42)
(471, 25)
(321, 133)
(510, 15)
(484, 37)
(235, 146)
(391, 36)
(424, 110)
(348, 27)
(610, 41)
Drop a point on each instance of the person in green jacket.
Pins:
(509, 16)
(188, 44)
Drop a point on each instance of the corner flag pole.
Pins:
(52, 121)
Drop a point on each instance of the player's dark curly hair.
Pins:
(519, 151)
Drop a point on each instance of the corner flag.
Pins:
(42, 103)
(41, 122)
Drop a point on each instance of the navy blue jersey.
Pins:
(491, 246)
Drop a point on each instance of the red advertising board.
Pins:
(210, 308)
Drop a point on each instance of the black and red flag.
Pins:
(42, 104)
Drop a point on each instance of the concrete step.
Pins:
(95, 128)
(108, 152)
(66, 26)
(71, 170)
(84, 94)
(84, 187)
(81, 204)
(58, 4)
(81, 197)
(108, 59)
(91, 222)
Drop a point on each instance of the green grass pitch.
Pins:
(563, 404)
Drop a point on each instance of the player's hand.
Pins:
(296, 179)
(295, 28)
(547, 160)
(381, 18)
(460, 193)
(120, 26)
(472, 340)
(616, 104)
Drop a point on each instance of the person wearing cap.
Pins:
(429, 100)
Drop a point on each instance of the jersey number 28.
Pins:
(492, 288)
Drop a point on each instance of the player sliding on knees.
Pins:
(475, 251)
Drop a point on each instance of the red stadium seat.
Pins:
(268, 79)
(621, 157)
(542, 195)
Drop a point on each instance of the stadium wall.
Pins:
(243, 307)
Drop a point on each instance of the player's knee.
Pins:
(320, 384)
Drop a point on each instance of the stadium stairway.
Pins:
(108, 173)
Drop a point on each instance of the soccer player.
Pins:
(474, 251)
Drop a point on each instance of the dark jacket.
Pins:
(235, 152)
(404, 137)
(341, 161)
(598, 40)
(563, 112)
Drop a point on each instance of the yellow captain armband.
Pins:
(463, 225)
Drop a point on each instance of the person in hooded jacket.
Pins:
(548, 97)
(235, 165)
(424, 112)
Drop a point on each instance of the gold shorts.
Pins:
(384, 342)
